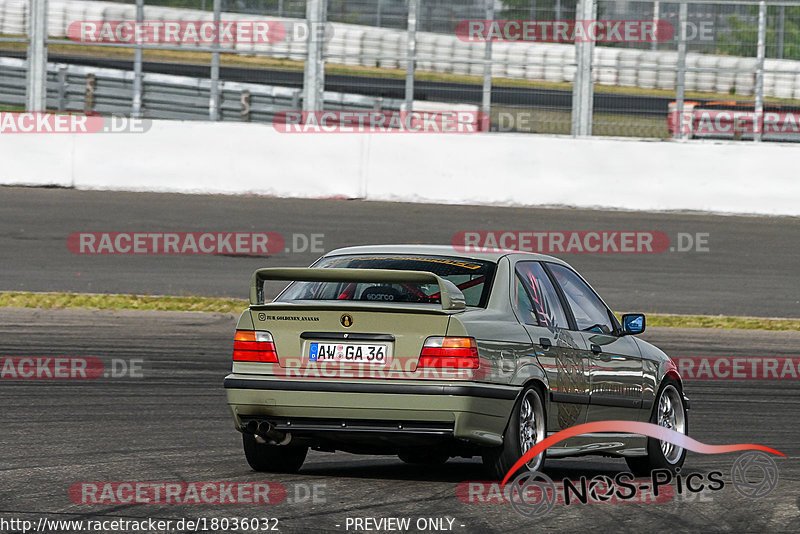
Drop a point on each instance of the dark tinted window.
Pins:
(543, 306)
(589, 311)
(472, 277)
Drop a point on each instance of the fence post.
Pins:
(136, 110)
(244, 100)
(36, 93)
(411, 53)
(88, 95)
(213, 96)
(314, 75)
(62, 88)
(680, 84)
(582, 86)
(781, 30)
(762, 44)
(656, 14)
(486, 104)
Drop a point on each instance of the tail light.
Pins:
(450, 352)
(254, 346)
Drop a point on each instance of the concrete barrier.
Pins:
(494, 168)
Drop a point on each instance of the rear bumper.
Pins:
(469, 411)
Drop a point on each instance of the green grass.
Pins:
(722, 321)
(12, 299)
(560, 122)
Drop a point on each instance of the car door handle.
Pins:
(596, 349)
(545, 343)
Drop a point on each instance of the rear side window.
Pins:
(472, 277)
(589, 311)
(541, 298)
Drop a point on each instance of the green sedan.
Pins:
(430, 353)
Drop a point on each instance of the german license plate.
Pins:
(347, 353)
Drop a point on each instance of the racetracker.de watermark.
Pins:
(68, 368)
(192, 243)
(67, 122)
(577, 31)
(738, 368)
(572, 242)
(360, 121)
(178, 493)
(565, 31)
(196, 32)
(201, 492)
(716, 122)
(398, 368)
(600, 489)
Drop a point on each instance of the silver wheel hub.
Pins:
(531, 426)
(671, 415)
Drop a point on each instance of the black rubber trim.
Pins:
(459, 390)
(595, 400)
(353, 425)
(346, 336)
(619, 402)
(648, 404)
(571, 398)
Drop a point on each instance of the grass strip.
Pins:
(28, 299)
(12, 299)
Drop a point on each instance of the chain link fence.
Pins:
(656, 69)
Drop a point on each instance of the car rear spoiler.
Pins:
(452, 298)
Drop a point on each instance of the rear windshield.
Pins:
(472, 277)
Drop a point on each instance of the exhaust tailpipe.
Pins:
(251, 427)
(267, 432)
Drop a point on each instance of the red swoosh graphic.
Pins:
(633, 427)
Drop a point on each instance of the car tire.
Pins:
(273, 458)
(669, 410)
(526, 427)
(423, 458)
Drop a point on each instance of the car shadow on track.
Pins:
(455, 470)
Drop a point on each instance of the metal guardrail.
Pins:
(165, 96)
(683, 63)
(368, 46)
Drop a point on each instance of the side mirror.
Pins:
(633, 323)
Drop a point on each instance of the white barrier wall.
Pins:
(494, 168)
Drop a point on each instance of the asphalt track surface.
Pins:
(173, 425)
(751, 266)
(553, 99)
